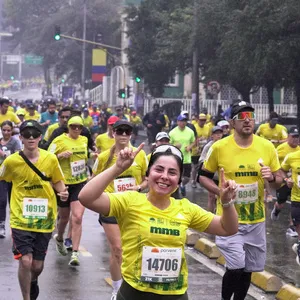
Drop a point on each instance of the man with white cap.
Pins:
(225, 126)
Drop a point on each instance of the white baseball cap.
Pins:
(223, 123)
(162, 135)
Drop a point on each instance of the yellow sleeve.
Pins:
(258, 131)
(46, 136)
(201, 218)
(98, 165)
(211, 160)
(284, 133)
(55, 147)
(98, 142)
(5, 172)
(119, 202)
(144, 162)
(57, 173)
(286, 164)
(15, 119)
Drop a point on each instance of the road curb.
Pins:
(288, 292)
(266, 281)
(208, 248)
(191, 237)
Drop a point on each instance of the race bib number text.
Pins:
(36, 208)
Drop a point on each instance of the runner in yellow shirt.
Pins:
(32, 114)
(87, 119)
(153, 225)
(273, 131)
(6, 115)
(135, 121)
(106, 140)
(33, 207)
(131, 179)
(252, 162)
(290, 146)
(71, 151)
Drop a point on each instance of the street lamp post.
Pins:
(83, 51)
(1, 58)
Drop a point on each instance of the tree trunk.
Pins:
(297, 90)
(47, 78)
(270, 89)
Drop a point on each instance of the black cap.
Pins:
(31, 124)
(293, 131)
(30, 106)
(240, 106)
(122, 123)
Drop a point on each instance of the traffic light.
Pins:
(12, 77)
(57, 33)
(121, 93)
(128, 91)
(62, 80)
(137, 79)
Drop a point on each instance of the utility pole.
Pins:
(83, 51)
(195, 68)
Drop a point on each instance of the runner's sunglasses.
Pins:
(244, 115)
(28, 133)
(75, 126)
(168, 148)
(120, 131)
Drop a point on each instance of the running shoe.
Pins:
(182, 190)
(296, 249)
(274, 216)
(291, 232)
(194, 184)
(60, 247)
(34, 290)
(113, 296)
(2, 230)
(68, 244)
(74, 259)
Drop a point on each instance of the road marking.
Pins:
(84, 252)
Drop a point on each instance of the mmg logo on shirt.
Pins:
(245, 174)
(166, 231)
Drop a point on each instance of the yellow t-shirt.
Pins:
(10, 108)
(276, 135)
(50, 130)
(292, 161)
(35, 117)
(203, 134)
(136, 120)
(73, 167)
(242, 165)
(136, 171)
(144, 225)
(104, 142)
(88, 121)
(283, 150)
(10, 116)
(28, 186)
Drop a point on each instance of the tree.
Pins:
(37, 20)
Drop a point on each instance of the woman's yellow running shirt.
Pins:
(153, 241)
(242, 165)
(292, 161)
(74, 167)
(33, 202)
(50, 130)
(131, 177)
(104, 142)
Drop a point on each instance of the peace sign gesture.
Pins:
(126, 157)
(228, 188)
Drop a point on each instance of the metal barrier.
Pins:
(261, 110)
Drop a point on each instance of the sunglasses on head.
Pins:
(28, 133)
(120, 131)
(76, 126)
(168, 148)
(244, 115)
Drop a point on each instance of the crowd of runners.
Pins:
(57, 160)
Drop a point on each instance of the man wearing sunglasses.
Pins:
(33, 206)
(252, 162)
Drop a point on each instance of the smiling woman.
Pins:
(153, 225)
